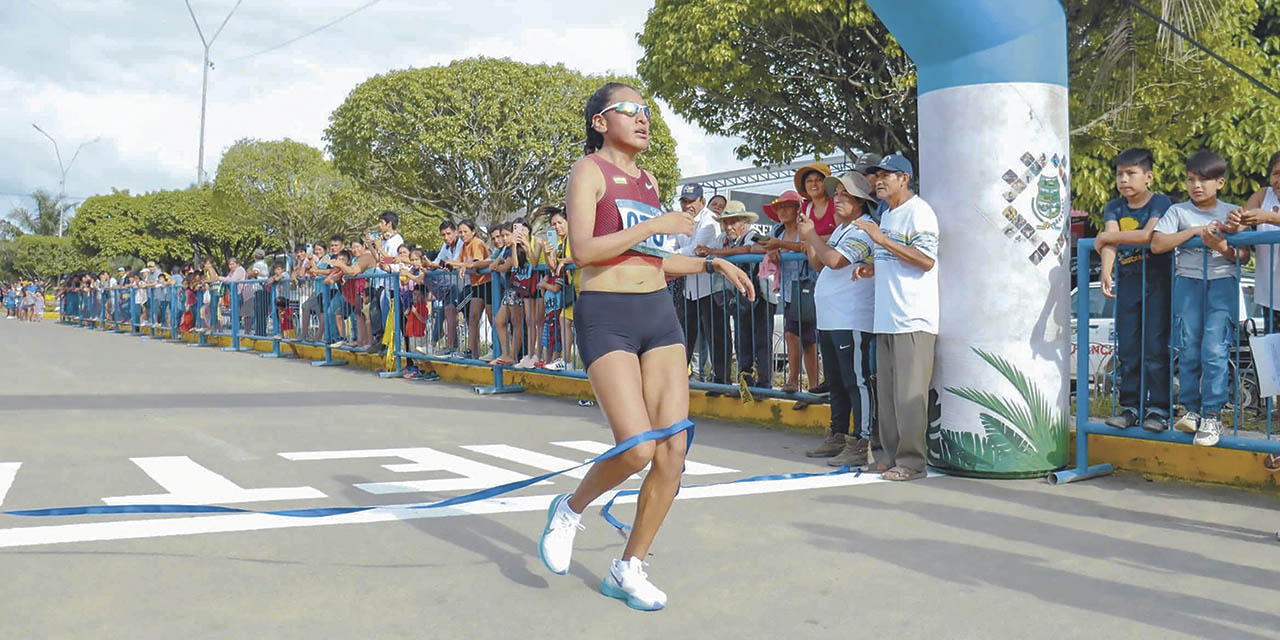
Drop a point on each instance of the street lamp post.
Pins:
(204, 90)
(62, 180)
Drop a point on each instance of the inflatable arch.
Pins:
(993, 163)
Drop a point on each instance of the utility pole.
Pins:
(204, 90)
(62, 181)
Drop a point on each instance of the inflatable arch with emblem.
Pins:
(994, 164)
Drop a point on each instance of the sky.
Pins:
(125, 75)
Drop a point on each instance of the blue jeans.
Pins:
(1204, 321)
(330, 319)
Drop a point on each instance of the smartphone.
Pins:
(760, 240)
(552, 237)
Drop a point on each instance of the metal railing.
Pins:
(1241, 367)
(738, 346)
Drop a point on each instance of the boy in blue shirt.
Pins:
(1141, 289)
(1206, 294)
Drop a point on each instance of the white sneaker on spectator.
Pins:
(555, 548)
(558, 365)
(1209, 432)
(628, 582)
(487, 357)
(338, 344)
(1188, 423)
(422, 350)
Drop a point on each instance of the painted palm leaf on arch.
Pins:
(1019, 434)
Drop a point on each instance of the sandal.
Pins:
(502, 363)
(903, 474)
(790, 388)
(1272, 463)
(875, 467)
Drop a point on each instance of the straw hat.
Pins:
(736, 209)
(820, 167)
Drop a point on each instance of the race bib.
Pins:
(634, 213)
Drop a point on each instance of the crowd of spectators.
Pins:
(23, 300)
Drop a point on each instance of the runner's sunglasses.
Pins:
(629, 109)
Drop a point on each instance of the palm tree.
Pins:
(1105, 34)
(46, 220)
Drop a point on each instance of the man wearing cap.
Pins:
(753, 320)
(906, 318)
(699, 313)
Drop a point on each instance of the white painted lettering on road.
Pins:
(187, 482)
(473, 475)
(690, 468)
(529, 458)
(173, 526)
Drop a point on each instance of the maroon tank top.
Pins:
(618, 185)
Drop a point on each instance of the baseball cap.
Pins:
(691, 191)
(866, 161)
(895, 162)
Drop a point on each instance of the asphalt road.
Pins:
(87, 416)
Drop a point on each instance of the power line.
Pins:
(1196, 43)
(311, 32)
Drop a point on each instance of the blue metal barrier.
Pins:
(1086, 426)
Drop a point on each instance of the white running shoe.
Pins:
(1209, 432)
(556, 546)
(558, 365)
(628, 582)
(1188, 423)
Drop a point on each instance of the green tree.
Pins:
(808, 76)
(46, 258)
(790, 77)
(292, 192)
(44, 221)
(166, 226)
(477, 138)
(1135, 83)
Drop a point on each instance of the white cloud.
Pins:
(129, 73)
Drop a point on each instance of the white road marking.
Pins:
(474, 475)
(8, 470)
(529, 458)
(690, 468)
(187, 482)
(171, 526)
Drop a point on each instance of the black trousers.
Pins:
(706, 318)
(848, 359)
(753, 324)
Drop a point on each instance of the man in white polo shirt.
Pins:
(906, 318)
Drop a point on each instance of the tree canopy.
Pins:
(791, 77)
(166, 226)
(292, 192)
(478, 138)
(46, 258)
(804, 77)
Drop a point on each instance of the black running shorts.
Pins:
(631, 322)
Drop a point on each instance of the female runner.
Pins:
(628, 336)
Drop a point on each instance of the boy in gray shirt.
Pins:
(1205, 294)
